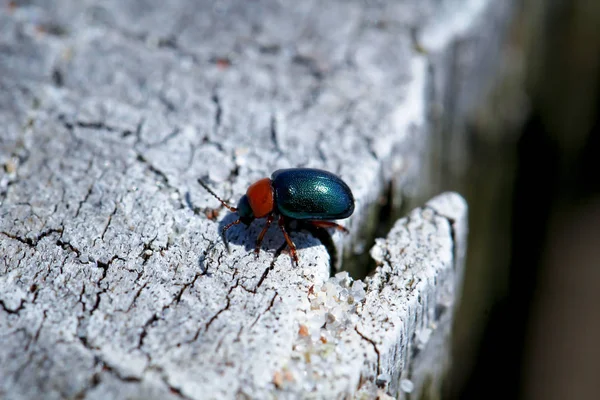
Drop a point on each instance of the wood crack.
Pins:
(374, 348)
(218, 112)
(32, 242)
(104, 266)
(12, 310)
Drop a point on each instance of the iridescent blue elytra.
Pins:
(306, 193)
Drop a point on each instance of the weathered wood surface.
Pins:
(407, 314)
(114, 282)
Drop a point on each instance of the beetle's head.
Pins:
(244, 210)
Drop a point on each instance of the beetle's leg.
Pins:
(328, 224)
(260, 237)
(237, 221)
(288, 239)
(229, 225)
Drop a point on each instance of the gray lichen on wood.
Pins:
(114, 281)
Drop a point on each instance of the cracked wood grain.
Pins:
(114, 281)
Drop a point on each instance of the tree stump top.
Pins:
(114, 281)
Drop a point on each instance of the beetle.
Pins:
(306, 194)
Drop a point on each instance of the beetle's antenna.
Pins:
(230, 208)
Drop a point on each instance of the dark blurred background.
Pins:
(528, 325)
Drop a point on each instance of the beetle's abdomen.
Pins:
(306, 193)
